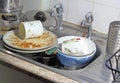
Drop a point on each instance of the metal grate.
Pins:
(113, 63)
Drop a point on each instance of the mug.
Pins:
(30, 29)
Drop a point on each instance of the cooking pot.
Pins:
(75, 60)
(10, 5)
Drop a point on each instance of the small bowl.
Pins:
(76, 60)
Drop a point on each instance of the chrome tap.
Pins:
(54, 27)
(59, 10)
(58, 16)
(88, 23)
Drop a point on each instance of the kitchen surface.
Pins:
(87, 74)
(57, 20)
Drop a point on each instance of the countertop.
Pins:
(34, 69)
(96, 66)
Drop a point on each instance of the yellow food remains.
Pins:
(42, 41)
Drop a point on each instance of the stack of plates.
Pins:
(34, 45)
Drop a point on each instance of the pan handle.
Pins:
(9, 17)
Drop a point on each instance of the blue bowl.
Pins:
(74, 61)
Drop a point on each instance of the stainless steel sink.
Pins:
(68, 30)
(95, 72)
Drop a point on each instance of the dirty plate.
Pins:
(47, 40)
(27, 51)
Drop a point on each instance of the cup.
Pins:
(30, 29)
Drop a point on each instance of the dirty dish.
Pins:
(44, 41)
(86, 50)
(30, 29)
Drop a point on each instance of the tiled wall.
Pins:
(104, 11)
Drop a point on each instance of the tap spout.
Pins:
(88, 23)
(59, 10)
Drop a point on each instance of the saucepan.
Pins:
(75, 51)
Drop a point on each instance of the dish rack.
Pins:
(113, 63)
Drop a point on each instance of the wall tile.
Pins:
(90, 0)
(119, 15)
(52, 3)
(113, 3)
(43, 5)
(103, 15)
(65, 11)
(104, 11)
(33, 5)
(77, 10)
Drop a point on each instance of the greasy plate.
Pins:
(27, 51)
(47, 40)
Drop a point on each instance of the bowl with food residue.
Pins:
(75, 51)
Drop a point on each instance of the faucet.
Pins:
(88, 23)
(58, 17)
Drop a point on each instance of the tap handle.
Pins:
(89, 17)
(83, 23)
(59, 8)
(59, 5)
(52, 13)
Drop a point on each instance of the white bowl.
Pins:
(77, 60)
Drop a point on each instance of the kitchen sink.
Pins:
(94, 72)
(68, 31)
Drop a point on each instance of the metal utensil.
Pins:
(113, 41)
(10, 5)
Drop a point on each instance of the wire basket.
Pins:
(113, 63)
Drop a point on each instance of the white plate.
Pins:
(29, 51)
(7, 36)
(84, 45)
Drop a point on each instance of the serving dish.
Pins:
(79, 60)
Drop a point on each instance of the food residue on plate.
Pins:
(42, 41)
(72, 46)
